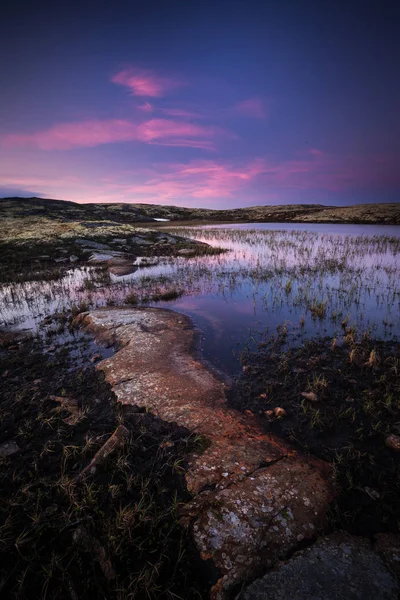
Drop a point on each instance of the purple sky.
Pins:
(214, 104)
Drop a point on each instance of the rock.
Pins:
(119, 437)
(279, 412)
(186, 252)
(141, 241)
(335, 567)
(269, 413)
(310, 396)
(146, 261)
(104, 257)
(374, 494)
(254, 496)
(36, 381)
(393, 442)
(121, 241)
(388, 547)
(91, 244)
(170, 239)
(8, 448)
(71, 405)
(60, 260)
(73, 258)
(91, 545)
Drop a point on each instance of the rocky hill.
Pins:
(65, 211)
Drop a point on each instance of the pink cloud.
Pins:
(65, 136)
(181, 113)
(252, 107)
(86, 134)
(196, 180)
(207, 182)
(175, 133)
(260, 179)
(145, 83)
(146, 107)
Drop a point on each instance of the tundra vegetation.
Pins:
(307, 322)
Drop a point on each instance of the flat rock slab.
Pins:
(255, 499)
(337, 567)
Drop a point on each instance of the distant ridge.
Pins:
(64, 210)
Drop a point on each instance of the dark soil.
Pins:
(114, 534)
(354, 405)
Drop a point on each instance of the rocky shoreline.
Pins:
(255, 499)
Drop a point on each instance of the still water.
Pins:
(305, 279)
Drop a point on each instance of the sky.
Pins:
(201, 104)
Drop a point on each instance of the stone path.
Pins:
(254, 498)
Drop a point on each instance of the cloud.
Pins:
(252, 107)
(146, 107)
(215, 183)
(197, 180)
(87, 134)
(181, 113)
(258, 180)
(146, 83)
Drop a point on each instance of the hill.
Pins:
(33, 209)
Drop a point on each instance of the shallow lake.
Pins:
(303, 279)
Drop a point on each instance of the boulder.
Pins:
(336, 567)
(254, 497)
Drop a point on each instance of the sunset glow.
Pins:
(240, 112)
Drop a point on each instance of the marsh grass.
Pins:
(319, 281)
(350, 405)
(114, 534)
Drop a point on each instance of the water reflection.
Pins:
(310, 277)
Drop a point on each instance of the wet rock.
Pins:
(73, 258)
(8, 448)
(335, 567)
(260, 497)
(393, 442)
